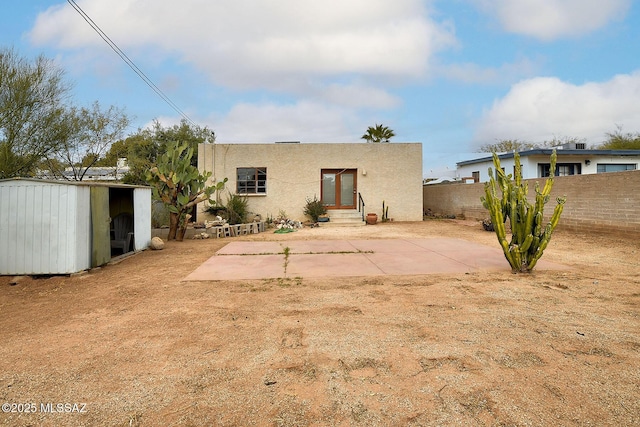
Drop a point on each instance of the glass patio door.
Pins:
(339, 188)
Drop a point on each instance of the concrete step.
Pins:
(344, 218)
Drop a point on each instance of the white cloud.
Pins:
(303, 121)
(542, 108)
(259, 43)
(474, 73)
(552, 19)
(359, 96)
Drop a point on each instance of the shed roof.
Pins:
(80, 183)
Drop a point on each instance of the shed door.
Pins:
(100, 237)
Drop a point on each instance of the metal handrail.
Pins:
(361, 204)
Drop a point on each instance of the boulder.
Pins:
(157, 244)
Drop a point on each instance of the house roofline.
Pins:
(302, 143)
(548, 151)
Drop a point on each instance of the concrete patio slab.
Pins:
(418, 262)
(335, 258)
(320, 246)
(322, 265)
(387, 246)
(440, 244)
(235, 267)
(255, 248)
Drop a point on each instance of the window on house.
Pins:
(606, 167)
(476, 176)
(544, 169)
(251, 181)
(565, 170)
(562, 169)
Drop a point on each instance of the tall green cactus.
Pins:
(180, 186)
(529, 238)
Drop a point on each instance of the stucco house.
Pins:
(279, 177)
(573, 159)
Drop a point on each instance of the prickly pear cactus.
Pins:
(180, 186)
(529, 237)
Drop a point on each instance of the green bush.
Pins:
(236, 209)
(159, 215)
(217, 210)
(314, 208)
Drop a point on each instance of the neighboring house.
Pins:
(94, 173)
(573, 159)
(279, 177)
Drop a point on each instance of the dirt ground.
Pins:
(132, 344)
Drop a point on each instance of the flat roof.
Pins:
(303, 143)
(560, 152)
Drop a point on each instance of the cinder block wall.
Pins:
(600, 203)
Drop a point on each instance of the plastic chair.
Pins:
(122, 232)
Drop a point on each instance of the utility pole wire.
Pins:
(128, 61)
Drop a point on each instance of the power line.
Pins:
(128, 61)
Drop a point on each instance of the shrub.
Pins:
(314, 208)
(159, 215)
(217, 210)
(236, 209)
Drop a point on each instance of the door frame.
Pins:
(339, 173)
(100, 226)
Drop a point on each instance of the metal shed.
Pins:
(62, 227)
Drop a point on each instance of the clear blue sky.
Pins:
(452, 74)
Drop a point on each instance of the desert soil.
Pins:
(132, 344)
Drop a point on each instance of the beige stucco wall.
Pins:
(389, 171)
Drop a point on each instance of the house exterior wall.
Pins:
(389, 171)
(44, 228)
(601, 203)
(530, 164)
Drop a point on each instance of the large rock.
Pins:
(157, 244)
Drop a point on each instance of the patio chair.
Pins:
(122, 232)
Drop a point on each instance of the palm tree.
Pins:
(378, 133)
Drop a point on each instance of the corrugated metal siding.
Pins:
(8, 196)
(44, 228)
(142, 218)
